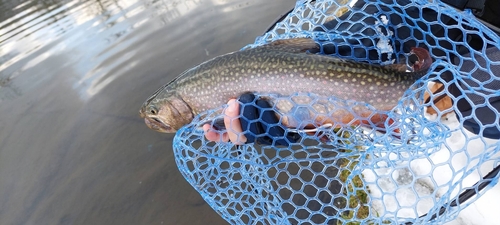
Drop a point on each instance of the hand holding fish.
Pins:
(232, 123)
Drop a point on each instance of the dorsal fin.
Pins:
(294, 45)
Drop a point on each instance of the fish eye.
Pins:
(153, 110)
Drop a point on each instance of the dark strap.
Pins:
(477, 6)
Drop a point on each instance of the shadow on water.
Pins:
(73, 75)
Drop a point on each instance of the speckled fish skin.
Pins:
(282, 67)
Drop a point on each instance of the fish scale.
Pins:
(282, 68)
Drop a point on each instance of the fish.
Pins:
(283, 67)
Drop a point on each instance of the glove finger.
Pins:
(249, 115)
(272, 128)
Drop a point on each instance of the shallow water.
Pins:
(73, 75)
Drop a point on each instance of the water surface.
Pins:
(73, 75)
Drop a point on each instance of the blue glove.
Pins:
(261, 122)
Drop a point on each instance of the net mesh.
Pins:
(412, 169)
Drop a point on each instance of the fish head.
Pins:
(166, 112)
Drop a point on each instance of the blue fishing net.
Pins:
(424, 165)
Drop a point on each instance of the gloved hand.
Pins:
(250, 119)
(261, 123)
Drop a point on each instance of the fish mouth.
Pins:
(142, 114)
(156, 124)
(142, 111)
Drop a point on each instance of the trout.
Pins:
(283, 67)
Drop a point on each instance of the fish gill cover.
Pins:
(423, 165)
